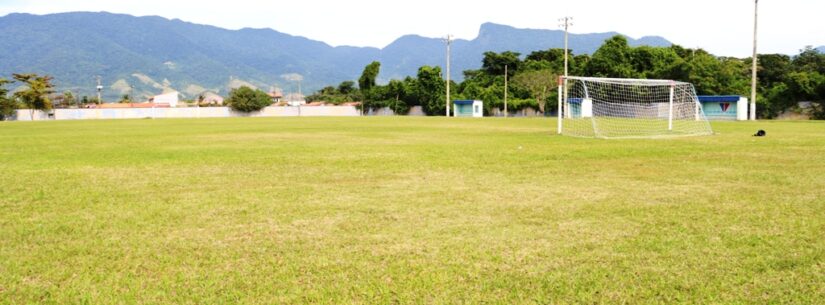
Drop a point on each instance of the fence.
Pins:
(202, 112)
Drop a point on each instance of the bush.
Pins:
(247, 100)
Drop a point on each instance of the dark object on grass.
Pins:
(760, 133)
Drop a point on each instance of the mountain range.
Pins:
(142, 56)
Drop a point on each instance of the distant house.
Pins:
(170, 99)
(212, 98)
(276, 95)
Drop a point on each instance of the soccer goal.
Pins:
(629, 108)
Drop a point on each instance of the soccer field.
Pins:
(381, 210)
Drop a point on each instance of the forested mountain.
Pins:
(146, 55)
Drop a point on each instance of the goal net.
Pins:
(629, 108)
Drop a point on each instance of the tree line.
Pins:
(783, 80)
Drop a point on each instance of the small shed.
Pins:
(724, 107)
(468, 108)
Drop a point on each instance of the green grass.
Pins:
(407, 210)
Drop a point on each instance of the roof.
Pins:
(718, 98)
(463, 102)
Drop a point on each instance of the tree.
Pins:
(367, 79)
(346, 87)
(36, 96)
(396, 90)
(430, 90)
(366, 83)
(612, 59)
(7, 105)
(247, 100)
(125, 99)
(69, 99)
(539, 83)
(494, 63)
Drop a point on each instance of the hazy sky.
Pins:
(723, 27)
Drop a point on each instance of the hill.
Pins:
(147, 55)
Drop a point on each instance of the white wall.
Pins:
(202, 112)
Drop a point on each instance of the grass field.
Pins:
(407, 210)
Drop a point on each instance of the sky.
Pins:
(723, 27)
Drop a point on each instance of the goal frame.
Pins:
(564, 109)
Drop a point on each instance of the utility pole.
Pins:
(449, 41)
(505, 91)
(754, 60)
(99, 91)
(566, 22)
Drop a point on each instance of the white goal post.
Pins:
(629, 108)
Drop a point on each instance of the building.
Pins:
(211, 98)
(468, 108)
(724, 107)
(295, 99)
(276, 95)
(170, 99)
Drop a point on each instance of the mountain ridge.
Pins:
(177, 54)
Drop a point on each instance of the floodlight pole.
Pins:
(566, 23)
(449, 42)
(99, 89)
(754, 60)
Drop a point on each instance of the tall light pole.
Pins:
(754, 60)
(566, 22)
(449, 41)
(99, 91)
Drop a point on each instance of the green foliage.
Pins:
(246, 99)
(367, 79)
(430, 89)
(346, 87)
(613, 59)
(494, 63)
(539, 83)
(36, 95)
(7, 105)
(784, 80)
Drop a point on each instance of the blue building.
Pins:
(468, 108)
(724, 107)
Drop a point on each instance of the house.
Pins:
(276, 95)
(170, 98)
(211, 98)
